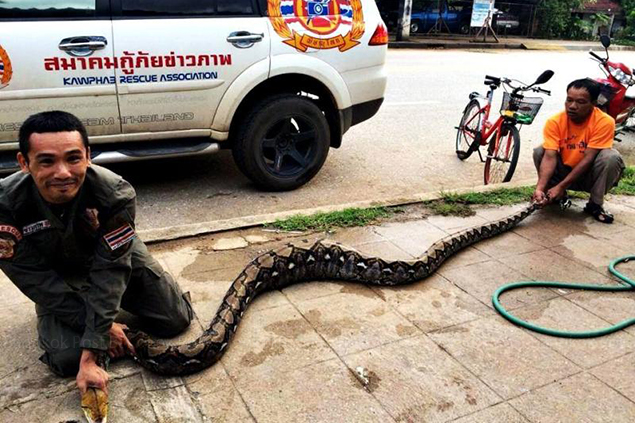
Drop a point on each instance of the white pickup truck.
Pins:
(277, 81)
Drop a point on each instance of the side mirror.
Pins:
(544, 77)
(605, 40)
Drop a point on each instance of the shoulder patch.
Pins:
(120, 236)
(36, 227)
(92, 218)
(9, 237)
(7, 248)
(14, 232)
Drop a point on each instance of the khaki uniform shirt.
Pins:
(74, 264)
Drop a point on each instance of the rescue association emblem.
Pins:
(9, 237)
(318, 24)
(5, 68)
(7, 248)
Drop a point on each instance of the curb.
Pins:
(152, 236)
(458, 46)
(503, 46)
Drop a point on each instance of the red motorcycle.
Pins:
(613, 99)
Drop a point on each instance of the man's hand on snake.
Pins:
(119, 343)
(556, 193)
(540, 198)
(90, 374)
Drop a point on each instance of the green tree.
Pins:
(557, 19)
(628, 6)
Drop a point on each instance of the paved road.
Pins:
(408, 148)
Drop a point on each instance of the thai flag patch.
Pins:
(120, 236)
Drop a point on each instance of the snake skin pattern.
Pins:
(290, 265)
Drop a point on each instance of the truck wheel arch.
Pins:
(292, 83)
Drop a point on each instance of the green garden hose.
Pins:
(628, 285)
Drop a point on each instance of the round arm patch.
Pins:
(9, 237)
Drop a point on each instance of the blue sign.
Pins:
(480, 11)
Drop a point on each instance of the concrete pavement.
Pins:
(434, 351)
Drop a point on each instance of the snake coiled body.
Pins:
(290, 265)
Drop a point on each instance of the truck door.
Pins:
(56, 55)
(177, 59)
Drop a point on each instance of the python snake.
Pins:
(289, 265)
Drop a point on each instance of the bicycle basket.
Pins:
(524, 110)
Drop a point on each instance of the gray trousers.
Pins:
(604, 174)
(151, 294)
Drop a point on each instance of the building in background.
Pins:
(601, 17)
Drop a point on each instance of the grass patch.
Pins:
(459, 204)
(499, 197)
(325, 221)
(627, 183)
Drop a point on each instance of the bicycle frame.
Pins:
(487, 128)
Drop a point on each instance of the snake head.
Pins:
(95, 405)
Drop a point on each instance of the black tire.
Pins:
(468, 127)
(501, 162)
(282, 142)
(414, 27)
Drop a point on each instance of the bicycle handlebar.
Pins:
(494, 80)
(540, 90)
(489, 80)
(596, 56)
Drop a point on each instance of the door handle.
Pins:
(83, 46)
(244, 39)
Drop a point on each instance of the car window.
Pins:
(263, 7)
(25, 9)
(166, 8)
(235, 7)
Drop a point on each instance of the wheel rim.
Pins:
(288, 147)
(499, 162)
(466, 135)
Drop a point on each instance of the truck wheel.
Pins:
(282, 143)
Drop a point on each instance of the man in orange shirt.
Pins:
(577, 152)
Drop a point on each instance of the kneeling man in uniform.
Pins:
(68, 242)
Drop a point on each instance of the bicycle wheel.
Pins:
(502, 155)
(468, 129)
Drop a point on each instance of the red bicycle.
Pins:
(502, 137)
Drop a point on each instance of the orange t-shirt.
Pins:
(572, 140)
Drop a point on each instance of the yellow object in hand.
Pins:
(95, 405)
